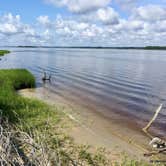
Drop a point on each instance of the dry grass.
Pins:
(19, 148)
(35, 148)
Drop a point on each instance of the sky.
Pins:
(106, 23)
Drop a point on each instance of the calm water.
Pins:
(131, 83)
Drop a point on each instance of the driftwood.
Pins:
(145, 129)
(155, 141)
(155, 152)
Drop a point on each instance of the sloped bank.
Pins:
(32, 131)
(31, 128)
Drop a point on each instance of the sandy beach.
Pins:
(91, 128)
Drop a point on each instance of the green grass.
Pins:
(15, 107)
(33, 116)
(3, 52)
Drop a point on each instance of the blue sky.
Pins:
(29, 10)
(83, 22)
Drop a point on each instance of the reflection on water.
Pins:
(128, 82)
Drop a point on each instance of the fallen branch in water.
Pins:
(155, 142)
(145, 129)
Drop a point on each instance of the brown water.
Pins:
(130, 83)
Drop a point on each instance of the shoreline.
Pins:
(93, 129)
(95, 47)
(32, 131)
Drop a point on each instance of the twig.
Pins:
(155, 152)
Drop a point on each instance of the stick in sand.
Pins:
(155, 152)
(153, 119)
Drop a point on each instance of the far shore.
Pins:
(96, 47)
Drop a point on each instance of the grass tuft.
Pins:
(3, 52)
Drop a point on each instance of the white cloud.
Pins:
(150, 13)
(82, 26)
(10, 24)
(105, 27)
(160, 27)
(108, 16)
(98, 23)
(7, 28)
(10, 18)
(127, 5)
(14, 31)
(80, 6)
(44, 20)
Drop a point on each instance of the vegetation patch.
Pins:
(155, 47)
(3, 52)
(31, 132)
(29, 125)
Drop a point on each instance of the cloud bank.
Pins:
(93, 23)
(80, 6)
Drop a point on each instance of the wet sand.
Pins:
(93, 128)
